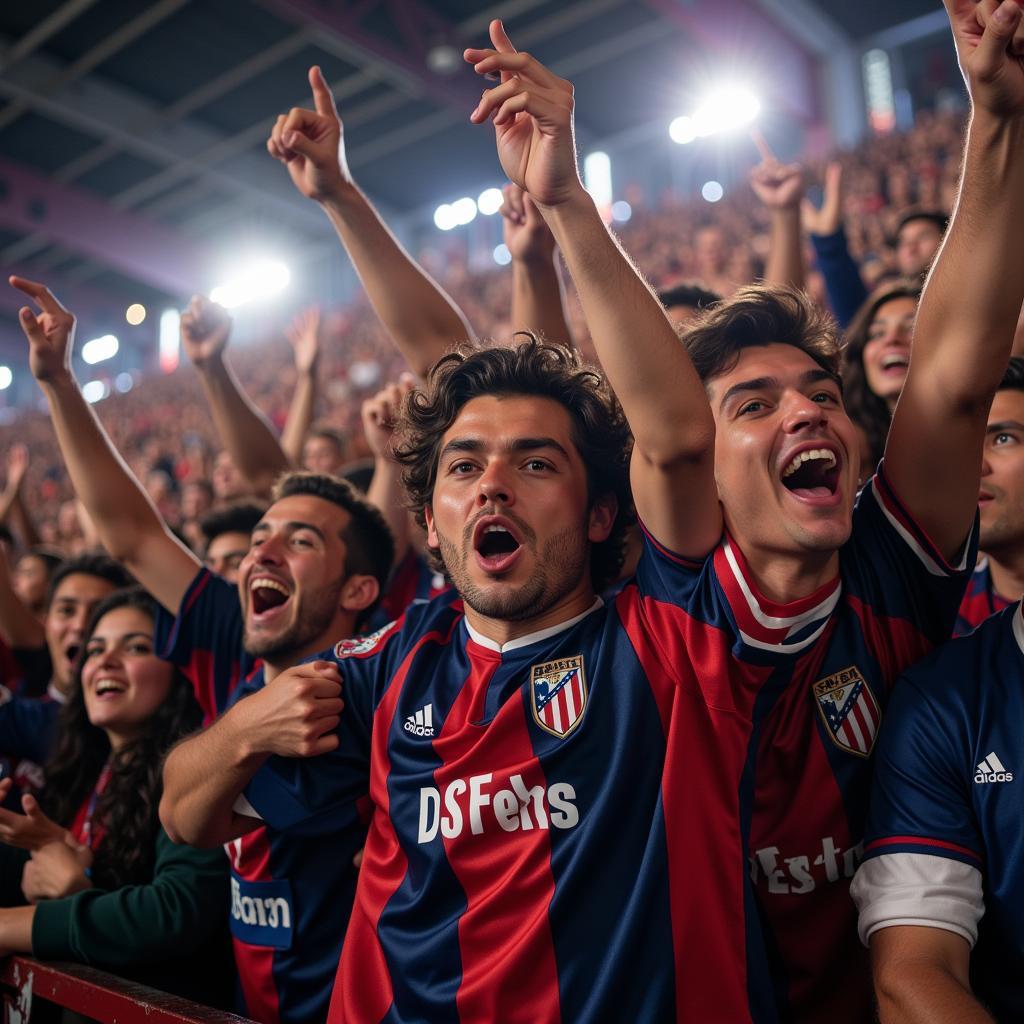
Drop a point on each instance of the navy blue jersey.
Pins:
(290, 896)
(657, 807)
(28, 728)
(945, 840)
(980, 600)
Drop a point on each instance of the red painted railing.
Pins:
(95, 994)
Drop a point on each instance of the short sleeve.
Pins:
(205, 641)
(663, 575)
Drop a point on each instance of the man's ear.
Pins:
(601, 518)
(432, 541)
(359, 592)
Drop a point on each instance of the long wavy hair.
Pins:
(128, 806)
(865, 408)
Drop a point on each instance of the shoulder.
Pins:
(436, 618)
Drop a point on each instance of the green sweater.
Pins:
(169, 933)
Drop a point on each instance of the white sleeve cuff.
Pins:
(242, 806)
(918, 889)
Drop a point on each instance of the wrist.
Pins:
(59, 384)
(341, 197)
(248, 741)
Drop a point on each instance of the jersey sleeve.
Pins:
(27, 727)
(907, 593)
(205, 641)
(663, 575)
(318, 795)
(923, 850)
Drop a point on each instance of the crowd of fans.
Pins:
(276, 602)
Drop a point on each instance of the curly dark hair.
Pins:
(865, 408)
(129, 803)
(533, 367)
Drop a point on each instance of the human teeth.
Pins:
(893, 360)
(108, 685)
(801, 457)
(495, 529)
(269, 585)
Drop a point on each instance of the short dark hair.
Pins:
(238, 517)
(358, 473)
(532, 368)
(369, 544)
(51, 557)
(1013, 379)
(936, 217)
(95, 563)
(761, 315)
(328, 433)
(688, 294)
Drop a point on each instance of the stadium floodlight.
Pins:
(99, 349)
(444, 218)
(712, 191)
(135, 314)
(724, 108)
(621, 211)
(170, 340)
(681, 130)
(502, 256)
(95, 391)
(464, 210)
(261, 279)
(6, 378)
(597, 178)
(489, 201)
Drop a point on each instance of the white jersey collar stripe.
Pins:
(530, 638)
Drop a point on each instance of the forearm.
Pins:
(112, 496)
(203, 777)
(651, 373)
(538, 300)
(388, 495)
(785, 263)
(421, 318)
(22, 522)
(242, 428)
(845, 287)
(16, 929)
(920, 993)
(300, 416)
(18, 626)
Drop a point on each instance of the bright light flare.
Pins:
(95, 391)
(489, 201)
(260, 280)
(597, 179)
(681, 130)
(712, 191)
(99, 349)
(725, 108)
(501, 255)
(6, 378)
(135, 314)
(170, 340)
(621, 211)
(463, 210)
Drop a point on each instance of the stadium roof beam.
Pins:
(135, 246)
(42, 31)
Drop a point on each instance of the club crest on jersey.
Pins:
(558, 695)
(849, 710)
(359, 644)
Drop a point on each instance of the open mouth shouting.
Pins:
(812, 474)
(268, 598)
(497, 544)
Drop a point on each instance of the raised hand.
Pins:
(826, 219)
(779, 186)
(310, 143)
(50, 334)
(31, 830)
(380, 414)
(205, 327)
(17, 466)
(989, 42)
(533, 124)
(304, 336)
(526, 233)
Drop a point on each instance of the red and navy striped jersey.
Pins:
(946, 829)
(980, 600)
(290, 896)
(653, 810)
(413, 579)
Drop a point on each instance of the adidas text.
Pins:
(422, 722)
(992, 769)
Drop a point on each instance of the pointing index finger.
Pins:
(45, 299)
(762, 145)
(323, 98)
(500, 39)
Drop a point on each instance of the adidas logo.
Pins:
(992, 770)
(421, 723)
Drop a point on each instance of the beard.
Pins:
(559, 568)
(311, 618)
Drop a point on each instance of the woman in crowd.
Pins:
(103, 883)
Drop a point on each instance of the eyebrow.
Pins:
(995, 428)
(127, 636)
(773, 384)
(520, 444)
(292, 525)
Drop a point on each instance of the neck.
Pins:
(784, 579)
(340, 629)
(502, 631)
(1007, 570)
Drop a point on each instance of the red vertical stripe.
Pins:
(256, 963)
(504, 934)
(362, 990)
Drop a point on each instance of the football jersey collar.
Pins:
(530, 638)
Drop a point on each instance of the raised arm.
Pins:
(243, 429)
(304, 336)
(127, 522)
(661, 394)
(969, 309)
(294, 716)
(420, 317)
(18, 626)
(780, 187)
(12, 502)
(538, 299)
